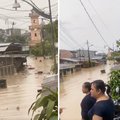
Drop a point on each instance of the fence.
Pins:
(7, 70)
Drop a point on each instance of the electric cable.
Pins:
(65, 38)
(68, 34)
(93, 23)
(65, 42)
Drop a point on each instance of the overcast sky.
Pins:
(21, 18)
(76, 25)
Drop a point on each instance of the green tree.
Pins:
(114, 82)
(118, 44)
(53, 68)
(38, 49)
(49, 105)
(47, 31)
(16, 38)
(46, 46)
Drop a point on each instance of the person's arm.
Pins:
(85, 108)
(96, 117)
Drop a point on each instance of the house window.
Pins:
(35, 34)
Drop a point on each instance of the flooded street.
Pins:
(21, 90)
(71, 90)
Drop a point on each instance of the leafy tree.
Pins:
(114, 82)
(49, 105)
(46, 47)
(47, 31)
(118, 43)
(53, 68)
(38, 49)
(16, 38)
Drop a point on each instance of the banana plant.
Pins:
(49, 105)
(114, 83)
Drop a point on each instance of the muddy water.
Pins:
(71, 90)
(21, 90)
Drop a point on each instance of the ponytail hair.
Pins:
(108, 90)
(99, 84)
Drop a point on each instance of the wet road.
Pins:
(71, 90)
(21, 92)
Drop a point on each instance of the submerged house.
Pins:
(99, 59)
(11, 58)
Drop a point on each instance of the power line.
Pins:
(101, 20)
(65, 42)
(48, 6)
(9, 5)
(68, 34)
(93, 23)
(21, 24)
(80, 45)
(65, 38)
(12, 10)
(14, 18)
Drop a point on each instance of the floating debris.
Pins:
(18, 108)
(39, 72)
(102, 71)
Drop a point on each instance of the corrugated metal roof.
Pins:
(4, 46)
(70, 59)
(98, 57)
(2, 49)
(66, 66)
(115, 67)
(13, 55)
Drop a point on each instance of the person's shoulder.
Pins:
(88, 97)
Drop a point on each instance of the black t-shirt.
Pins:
(86, 104)
(104, 109)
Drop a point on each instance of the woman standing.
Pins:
(103, 109)
(87, 102)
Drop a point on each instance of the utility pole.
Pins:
(88, 54)
(79, 54)
(83, 52)
(113, 54)
(43, 42)
(12, 28)
(55, 65)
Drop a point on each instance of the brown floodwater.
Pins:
(71, 89)
(21, 90)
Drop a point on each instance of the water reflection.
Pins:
(22, 88)
(71, 90)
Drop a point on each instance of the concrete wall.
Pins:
(65, 54)
(85, 54)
